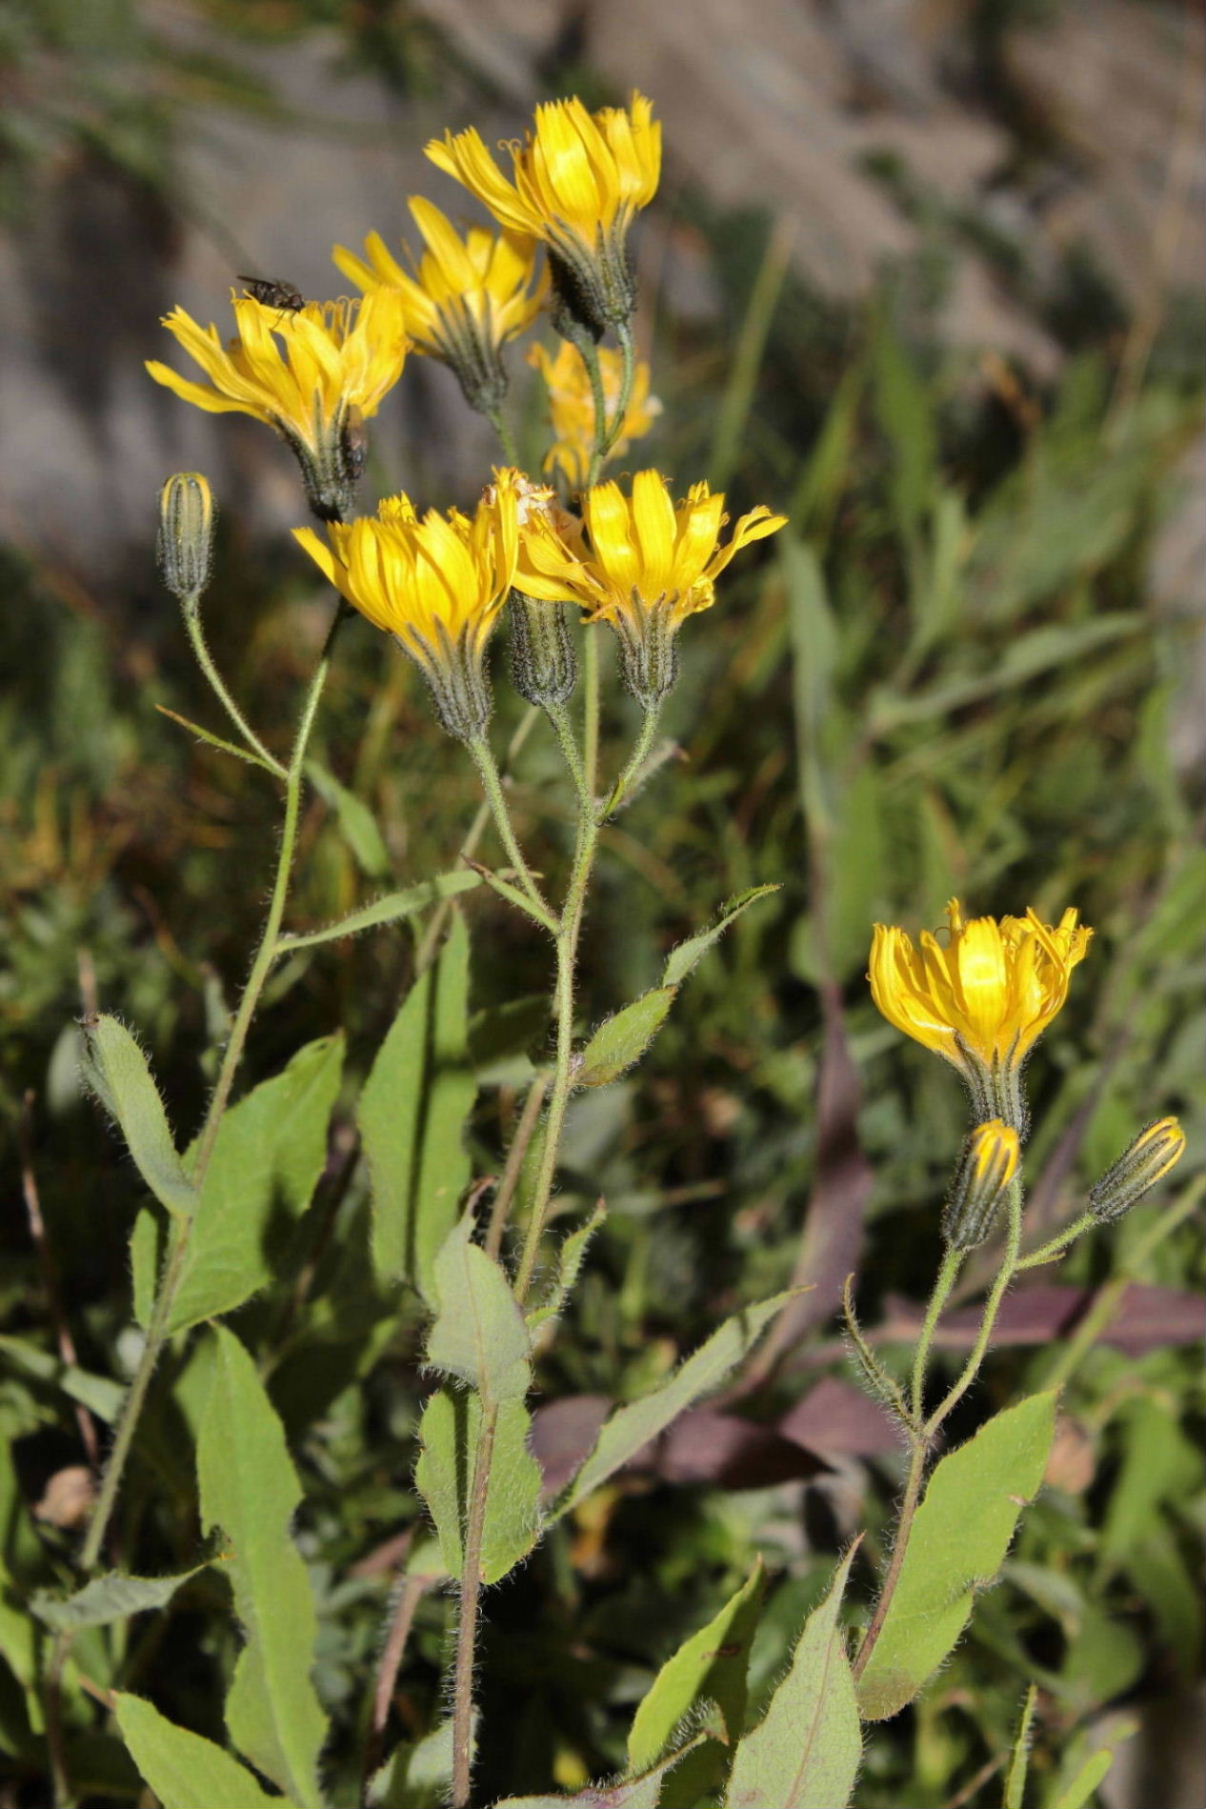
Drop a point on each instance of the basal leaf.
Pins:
(711, 1666)
(105, 1599)
(634, 1425)
(450, 1434)
(623, 1039)
(687, 955)
(806, 1753)
(249, 1490)
(184, 1770)
(270, 1152)
(959, 1539)
(479, 1335)
(412, 1115)
(116, 1070)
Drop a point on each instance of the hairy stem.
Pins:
(181, 1228)
(633, 765)
(1005, 1275)
(948, 1274)
(533, 1105)
(466, 1632)
(196, 635)
(487, 769)
(900, 1546)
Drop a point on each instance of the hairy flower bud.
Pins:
(988, 1164)
(544, 667)
(1149, 1158)
(186, 534)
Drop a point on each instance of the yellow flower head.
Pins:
(436, 583)
(312, 373)
(577, 182)
(1149, 1158)
(572, 405)
(982, 996)
(650, 566)
(989, 1162)
(465, 298)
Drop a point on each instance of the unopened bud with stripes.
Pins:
(186, 534)
(988, 1164)
(1149, 1158)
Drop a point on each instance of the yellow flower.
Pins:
(466, 298)
(650, 566)
(572, 406)
(315, 374)
(577, 182)
(436, 584)
(1149, 1158)
(982, 997)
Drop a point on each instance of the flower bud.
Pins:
(1149, 1158)
(988, 1164)
(186, 534)
(544, 667)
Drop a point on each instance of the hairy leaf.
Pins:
(250, 1490)
(806, 1753)
(392, 908)
(687, 955)
(479, 1335)
(116, 1070)
(105, 1599)
(184, 1770)
(623, 1039)
(412, 1115)
(959, 1539)
(450, 1435)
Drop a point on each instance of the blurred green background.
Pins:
(926, 277)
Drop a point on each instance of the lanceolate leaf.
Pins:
(105, 1599)
(623, 1039)
(249, 1490)
(412, 1115)
(711, 1667)
(959, 1539)
(185, 1771)
(569, 1261)
(357, 824)
(450, 1435)
(116, 1070)
(634, 1793)
(633, 1426)
(687, 955)
(805, 1754)
(269, 1154)
(479, 1334)
(392, 908)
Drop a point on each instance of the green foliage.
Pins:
(624, 1038)
(451, 1440)
(805, 1753)
(412, 1114)
(185, 1771)
(105, 1599)
(249, 1492)
(116, 1071)
(960, 1536)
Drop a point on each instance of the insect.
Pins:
(273, 294)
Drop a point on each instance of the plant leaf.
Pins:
(270, 1150)
(412, 1115)
(116, 1070)
(960, 1536)
(623, 1039)
(415, 1776)
(105, 1599)
(1019, 1761)
(1095, 1770)
(357, 824)
(570, 1258)
(392, 908)
(227, 747)
(450, 1436)
(634, 1425)
(633, 1793)
(250, 1490)
(184, 1770)
(711, 1666)
(806, 1753)
(687, 955)
(479, 1335)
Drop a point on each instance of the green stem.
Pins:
(533, 1105)
(1048, 1252)
(501, 427)
(900, 1546)
(425, 953)
(181, 1229)
(590, 357)
(567, 953)
(196, 635)
(558, 715)
(948, 1274)
(590, 712)
(466, 1632)
(487, 770)
(628, 348)
(1005, 1275)
(636, 760)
